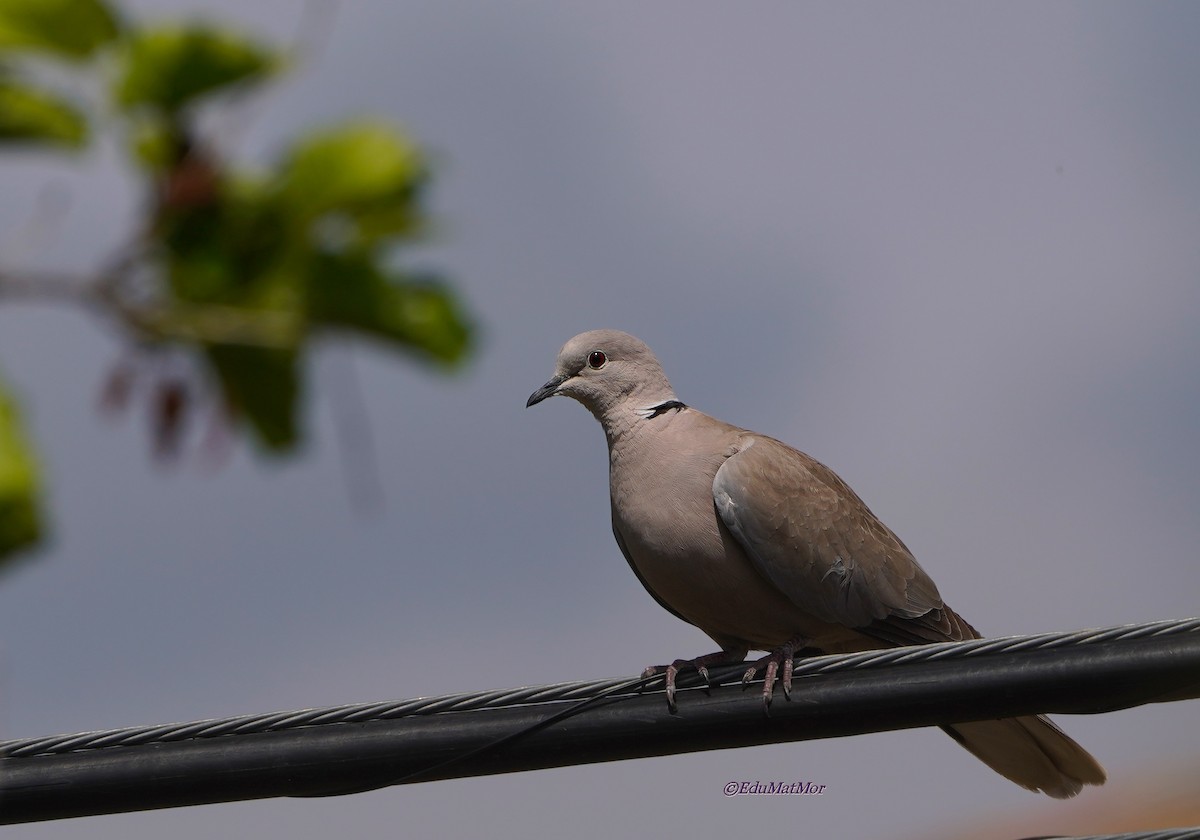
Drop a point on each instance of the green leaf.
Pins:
(69, 28)
(417, 314)
(29, 115)
(368, 172)
(425, 315)
(236, 251)
(167, 68)
(20, 523)
(153, 144)
(261, 385)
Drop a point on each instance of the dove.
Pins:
(764, 548)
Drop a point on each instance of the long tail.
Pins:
(1032, 752)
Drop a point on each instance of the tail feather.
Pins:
(1032, 752)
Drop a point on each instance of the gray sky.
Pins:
(948, 249)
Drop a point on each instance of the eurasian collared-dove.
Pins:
(764, 548)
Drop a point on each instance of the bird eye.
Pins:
(596, 359)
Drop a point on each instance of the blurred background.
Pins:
(948, 249)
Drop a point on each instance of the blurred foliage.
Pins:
(168, 68)
(19, 521)
(70, 29)
(35, 116)
(239, 267)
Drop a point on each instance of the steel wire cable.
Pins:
(578, 692)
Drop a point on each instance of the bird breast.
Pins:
(663, 508)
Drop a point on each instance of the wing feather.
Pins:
(809, 534)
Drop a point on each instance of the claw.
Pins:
(784, 655)
(769, 681)
(700, 664)
(788, 665)
(672, 673)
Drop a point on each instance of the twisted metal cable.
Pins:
(571, 691)
(1161, 834)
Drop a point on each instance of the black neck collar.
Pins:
(662, 408)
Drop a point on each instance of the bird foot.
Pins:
(700, 664)
(770, 664)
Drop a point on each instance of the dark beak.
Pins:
(547, 390)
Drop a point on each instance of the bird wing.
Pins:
(809, 534)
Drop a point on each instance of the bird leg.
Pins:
(784, 654)
(700, 663)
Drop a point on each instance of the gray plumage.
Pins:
(764, 548)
